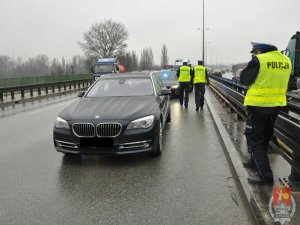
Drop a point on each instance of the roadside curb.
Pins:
(235, 163)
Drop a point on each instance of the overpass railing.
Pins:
(12, 86)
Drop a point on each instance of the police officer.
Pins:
(267, 76)
(184, 74)
(200, 79)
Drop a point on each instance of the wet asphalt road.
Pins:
(190, 183)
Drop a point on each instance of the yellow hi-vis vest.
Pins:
(199, 72)
(269, 88)
(184, 74)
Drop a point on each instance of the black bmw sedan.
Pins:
(118, 114)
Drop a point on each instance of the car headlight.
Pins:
(175, 86)
(61, 124)
(143, 123)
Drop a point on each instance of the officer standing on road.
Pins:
(200, 79)
(184, 73)
(267, 76)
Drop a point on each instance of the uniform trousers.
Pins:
(184, 93)
(259, 131)
(199, 94)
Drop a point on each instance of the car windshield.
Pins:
(167, 75)
(176, 67)
(121, 87)
(103, 68)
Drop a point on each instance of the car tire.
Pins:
(168, 120)
(158, 147)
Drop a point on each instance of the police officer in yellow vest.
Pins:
(184, 74)
(267, 76)
(200, 79)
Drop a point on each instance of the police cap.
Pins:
(260, 46)
(200, 62)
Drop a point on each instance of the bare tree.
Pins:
(36, 66)
(164, 57)
(56, 67)
(134, 61)
(126, 61)
(7, 64)
(147, 61)
(107, 39)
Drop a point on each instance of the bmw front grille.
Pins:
(108, 129)
(102, 129)
(84, 129)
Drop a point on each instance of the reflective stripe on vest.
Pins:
(199, 74)
(184, 74)
(269, 88)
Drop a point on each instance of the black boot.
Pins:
(260, 181)
(249, 164)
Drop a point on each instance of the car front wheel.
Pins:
(159, 140)
(168, 120)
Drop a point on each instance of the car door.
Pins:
(164, 100)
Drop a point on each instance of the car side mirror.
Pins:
(81, 94)
(165, 91)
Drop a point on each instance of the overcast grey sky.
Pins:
(53, 27)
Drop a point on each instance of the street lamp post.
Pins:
(203, 34)
(206, 51)
(203, 45)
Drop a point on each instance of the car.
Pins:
(217, 72)
(118, 114)
(170, 80)
(236, 76)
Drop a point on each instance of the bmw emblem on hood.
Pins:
(97, 117)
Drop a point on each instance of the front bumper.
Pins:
(128, 142)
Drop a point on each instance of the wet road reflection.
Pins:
(190, 183)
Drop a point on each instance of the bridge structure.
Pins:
(224, 97)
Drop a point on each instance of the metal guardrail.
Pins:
(25, 81)
(287, 126)
(31, 85)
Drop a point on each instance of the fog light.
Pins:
(146, 145)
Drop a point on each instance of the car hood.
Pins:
(170, 82)
(112, 108)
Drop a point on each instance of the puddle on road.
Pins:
(8, 110)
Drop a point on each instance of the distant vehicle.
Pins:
(118, 114)
(237, 75)
(170, 81)
(217, 72)
(178, 63)
(107, 66)
(293, 52)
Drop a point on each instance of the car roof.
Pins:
(128, 75)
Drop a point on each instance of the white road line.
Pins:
(53, 106)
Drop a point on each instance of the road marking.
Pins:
(53, 106)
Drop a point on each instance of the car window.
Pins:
(121, 87)
(104, 68)
(158, 84)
